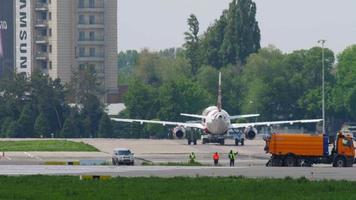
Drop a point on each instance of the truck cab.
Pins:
(343, 153)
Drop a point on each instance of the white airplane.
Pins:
(216, 122)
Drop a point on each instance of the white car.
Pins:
(122, 156)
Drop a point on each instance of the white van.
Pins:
(122, 156)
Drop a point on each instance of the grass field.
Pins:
(66, 187)
(45, 145)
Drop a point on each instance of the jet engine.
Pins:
(179, 132)
(250, 133)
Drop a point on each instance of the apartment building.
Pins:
(71, 34)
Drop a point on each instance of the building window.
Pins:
(81, 51)
(44, 65)
(81, 66)
(81, 3)
(92, 52)
(50, 48)
(81, 36)
(50, 32)
(50, 16)
(91, 19)
(81, 19)
(91, 4)
(92, 36)
(50, 64)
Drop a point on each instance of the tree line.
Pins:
(39, 107)
(267, 81)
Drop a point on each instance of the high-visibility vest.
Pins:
(232, 156)
(192, 156)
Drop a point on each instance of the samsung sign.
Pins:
(23, 36)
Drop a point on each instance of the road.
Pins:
(315, 173)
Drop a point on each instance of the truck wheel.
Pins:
(290, 161)
(195, 142)
(236, 142)
(307, 163)
(242, 142)
(276, 162)
(339, 162)
(269, 163)
(189, 142)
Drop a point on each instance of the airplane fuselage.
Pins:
(216, 122)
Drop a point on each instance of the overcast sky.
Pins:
(287, 24)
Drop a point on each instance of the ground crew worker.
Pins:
(216, 158)
(192, 158)
(232, 157)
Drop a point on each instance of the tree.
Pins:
(126, 62)
(92, 111)
(192, 43)
(26, 121)
(140, 101)
(84, 84)
(179, 96)
(72, 126)
(13, 130)
(48, 97)
(344, 92)
(233, 37)
(42, 127)
(105, 127)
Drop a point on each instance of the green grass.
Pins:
(45, 145)
(66, 187)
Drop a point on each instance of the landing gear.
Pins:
(194, 141)
(213, 139)
(222, 141)
(242, 142)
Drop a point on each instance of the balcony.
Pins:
(41, 23)
(91, 26)
(41, 39)
(91, 41)
(41, 56)
(91, 8)
(88, 58)
(41, 7)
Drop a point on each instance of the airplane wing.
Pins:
(164, 123)
(243, 125)
(231, 117)
(243, 116)
(193, 115)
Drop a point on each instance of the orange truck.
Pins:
(294, 150)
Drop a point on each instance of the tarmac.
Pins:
(250, 161)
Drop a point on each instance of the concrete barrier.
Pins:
(93, 162)
(62, 163)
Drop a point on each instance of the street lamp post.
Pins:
(323, 82)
